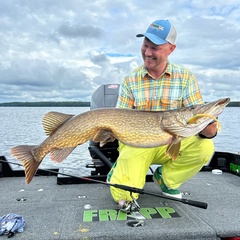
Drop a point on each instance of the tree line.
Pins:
(46, 104)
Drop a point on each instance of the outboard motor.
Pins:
(105, 96)
(104, 157)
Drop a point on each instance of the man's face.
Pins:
(155, 56)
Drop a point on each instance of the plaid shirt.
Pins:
(176, 88)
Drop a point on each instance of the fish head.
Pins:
(213, 108)
(189, 121)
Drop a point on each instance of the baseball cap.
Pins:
(160, 32)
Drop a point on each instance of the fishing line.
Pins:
(126, 188)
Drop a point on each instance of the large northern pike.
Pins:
(132, 127)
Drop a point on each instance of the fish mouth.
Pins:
(220, 105)
(214, 108)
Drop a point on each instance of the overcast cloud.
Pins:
(62, 50)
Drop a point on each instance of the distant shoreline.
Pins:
(67, 104)
(45, 104)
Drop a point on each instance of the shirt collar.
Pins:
(168, 70)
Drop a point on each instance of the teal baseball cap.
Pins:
(160, 32)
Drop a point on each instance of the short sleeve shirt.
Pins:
(177, 87)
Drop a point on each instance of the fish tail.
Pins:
(24, 154)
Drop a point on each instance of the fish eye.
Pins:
(192, 107)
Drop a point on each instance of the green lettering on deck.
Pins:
(113, 214)
(147, 212)
(165, 212)
(108, 214)
(121, 215)
(88, 215)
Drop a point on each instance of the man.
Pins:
(159, 85)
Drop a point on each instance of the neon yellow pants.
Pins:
(133, 164)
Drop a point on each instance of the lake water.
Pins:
(22, 125)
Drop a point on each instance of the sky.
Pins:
(63, 50)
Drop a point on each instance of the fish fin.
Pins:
(53, 120)
(24, 154)
(103, 136)
(58, 155)
(173, 148)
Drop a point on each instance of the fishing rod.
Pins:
(126, 188)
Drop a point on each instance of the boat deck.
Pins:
(87, 211)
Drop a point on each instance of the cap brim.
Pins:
(153, 38)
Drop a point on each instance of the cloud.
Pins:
(63, 50)
(80, 31)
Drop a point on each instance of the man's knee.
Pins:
(206, 150)
(197, 148)
(119, 194)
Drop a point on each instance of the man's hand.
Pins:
(210, 131)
